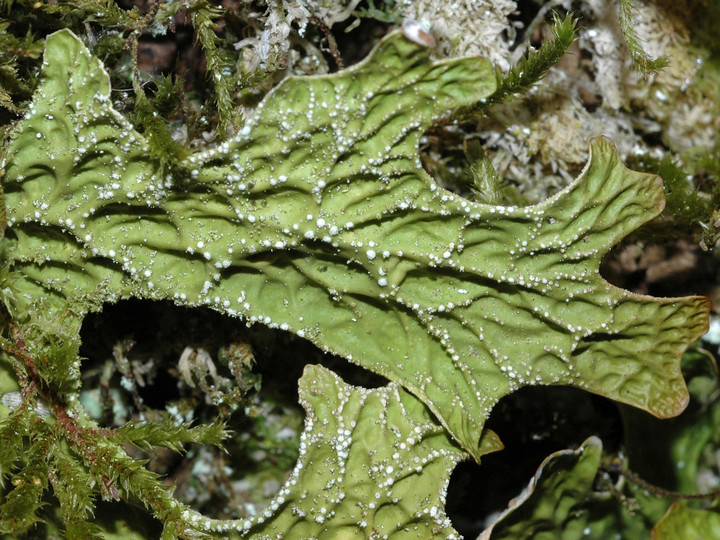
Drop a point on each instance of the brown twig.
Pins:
(332, 44)
(616, 467)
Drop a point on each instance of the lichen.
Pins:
(307, 210)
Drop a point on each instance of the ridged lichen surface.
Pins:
(318, 218)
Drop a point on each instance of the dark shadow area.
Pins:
(668, 269)
(532, 423)
(355, 44)
(162, 330)
(117, 518)
(522, 16)
(123, 520)
(179, 363)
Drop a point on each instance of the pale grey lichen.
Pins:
(271, 45)
(535, 143)
(468, 27)
(713, 333)
(666, 101)
(331, 12)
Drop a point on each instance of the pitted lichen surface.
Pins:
(318, 218)
(373, 464)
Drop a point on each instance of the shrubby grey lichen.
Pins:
(537, 144)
